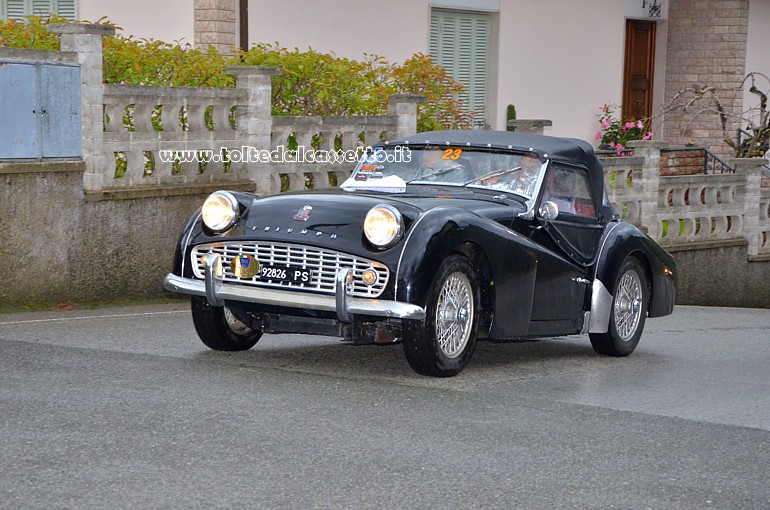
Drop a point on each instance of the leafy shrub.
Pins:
(132, 61)
(313, 83)
(29, 34)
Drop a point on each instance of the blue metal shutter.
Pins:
(61, 124)
(20, 132)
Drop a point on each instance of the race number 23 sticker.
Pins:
(453, 154)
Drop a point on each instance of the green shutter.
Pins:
(18, 9)
(43, 8)
(66, 9)
(15, 9)
(459, 42)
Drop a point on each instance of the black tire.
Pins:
(219, 329)
(424, 350)
(629, 310)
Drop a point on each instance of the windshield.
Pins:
(395, 167)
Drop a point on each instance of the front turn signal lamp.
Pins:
(383, 226)
(220, 211)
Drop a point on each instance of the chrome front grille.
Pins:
(324, 265)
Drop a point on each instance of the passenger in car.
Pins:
(560, 191)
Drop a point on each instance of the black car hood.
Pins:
(334, 217)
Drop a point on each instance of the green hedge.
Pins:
(311, 83)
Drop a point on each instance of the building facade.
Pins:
(551, 59)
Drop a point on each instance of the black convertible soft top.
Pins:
(570, 150)
(547, 147)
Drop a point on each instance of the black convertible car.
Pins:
(435, 241)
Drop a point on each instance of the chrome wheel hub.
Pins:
(454, 313)
(628, 305)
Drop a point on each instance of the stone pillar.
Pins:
(215, 25)
(751, 168)
(86, 40)
(255, 120)
(535, 126)
(404, 108)
(650, 184)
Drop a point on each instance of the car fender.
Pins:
(620, 241)
(512, 259)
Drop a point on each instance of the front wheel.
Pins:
(219, 329)
(442, 344)
(629, 309)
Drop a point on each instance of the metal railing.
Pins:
(712, 164)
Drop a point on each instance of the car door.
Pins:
(572, 238)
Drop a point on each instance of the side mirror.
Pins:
(548, 211)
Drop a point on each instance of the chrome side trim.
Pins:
(586, 322)
(187, 241)
(412, 229)
(293, 299)
(601, 306)
(601, 248)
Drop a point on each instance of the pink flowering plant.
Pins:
(615, 133)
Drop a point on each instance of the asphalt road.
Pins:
(125, 408)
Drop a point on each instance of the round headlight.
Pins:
(220, 210)
(383, 226)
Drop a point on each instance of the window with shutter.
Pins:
(66, 9)
(18, 9)
(15, 9)
(459, 42)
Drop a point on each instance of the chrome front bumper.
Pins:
(216, 292)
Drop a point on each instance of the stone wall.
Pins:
(706, 47)
(59, 247)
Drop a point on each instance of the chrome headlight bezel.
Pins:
(383, 226)
(219, 211)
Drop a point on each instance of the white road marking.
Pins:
(61, 319)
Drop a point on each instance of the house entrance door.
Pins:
(638, 70)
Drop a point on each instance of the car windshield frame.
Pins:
(508, 171)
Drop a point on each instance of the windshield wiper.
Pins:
(436, 173)
(492, 175)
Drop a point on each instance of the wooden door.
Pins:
(639, 65)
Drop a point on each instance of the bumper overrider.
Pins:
(345, 306)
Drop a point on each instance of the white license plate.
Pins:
(293, 274)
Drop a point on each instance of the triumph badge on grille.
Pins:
(304, 213)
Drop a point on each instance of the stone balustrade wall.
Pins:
(681, 210)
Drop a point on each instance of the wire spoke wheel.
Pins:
(442, 344)
(453, 312)
(236, 326)
(628, 309)
(219, 329)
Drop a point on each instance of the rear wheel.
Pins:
(219, 329)
(629, 309)
(442, 344)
